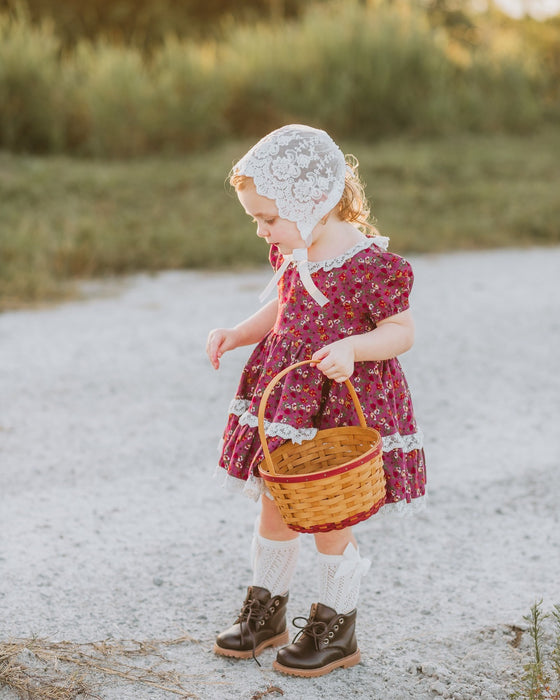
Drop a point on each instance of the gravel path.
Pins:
(112, 528)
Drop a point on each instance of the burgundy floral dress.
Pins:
(364, 285)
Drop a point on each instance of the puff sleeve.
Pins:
(387, 287)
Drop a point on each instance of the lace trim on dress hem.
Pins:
(406, 443)
(396, 441)
(254, 487)
(283, 430)
(239, 406)
(403, 508)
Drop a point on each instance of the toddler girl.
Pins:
(342, 302)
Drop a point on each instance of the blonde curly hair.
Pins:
(353, 205)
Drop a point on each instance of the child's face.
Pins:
(276, 231)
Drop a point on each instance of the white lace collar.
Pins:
(332, 263)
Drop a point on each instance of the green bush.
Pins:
(357, 70)
(29, 90)
(375, 71)
(190, 96)
(352, 70)
(114, 91)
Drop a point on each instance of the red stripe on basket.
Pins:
(347, 522)
(332, 471)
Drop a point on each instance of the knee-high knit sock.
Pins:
(340, 577)
(273, 563)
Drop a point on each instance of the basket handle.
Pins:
(267, 392)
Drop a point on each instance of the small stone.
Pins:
(438, 688)
(158, 582)
(429, 669)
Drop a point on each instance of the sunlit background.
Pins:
(120, 120)
(537, 8)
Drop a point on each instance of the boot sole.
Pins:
(346, 662)
(278, 640)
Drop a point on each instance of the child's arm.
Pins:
(392, 336)
(250, 331)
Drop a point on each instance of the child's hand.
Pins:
(220, 340)
(336, 361)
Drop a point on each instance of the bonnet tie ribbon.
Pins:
(274, 281)
(299, 256)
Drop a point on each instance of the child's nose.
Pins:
(262, 230)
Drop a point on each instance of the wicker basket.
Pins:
(330, 482)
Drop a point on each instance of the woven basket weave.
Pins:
(330, 482)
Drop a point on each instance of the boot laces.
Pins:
(252, 609)
(252, 612)
(315, 629)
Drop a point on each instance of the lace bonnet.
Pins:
(301, 169)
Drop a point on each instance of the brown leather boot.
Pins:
(261, 623)
(326, 641)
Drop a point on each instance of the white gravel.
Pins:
(111, 526)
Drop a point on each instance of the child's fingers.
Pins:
(216, 357)
(327, 367)
(329, 361)
(323, 362)
(318, 360)
(215, 360)
(319, 355)
(213, 348)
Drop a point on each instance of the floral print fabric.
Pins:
(364, 286)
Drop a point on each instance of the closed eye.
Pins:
(268, 222)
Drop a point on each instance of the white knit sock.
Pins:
(340, 577)
(273, 563)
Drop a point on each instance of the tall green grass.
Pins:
(355, 71)
(30, 104)
(366, 70)
(64, 219)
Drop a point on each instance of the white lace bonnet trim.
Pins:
(301, 169)
(239, 407)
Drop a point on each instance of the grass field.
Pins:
(66, 219)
